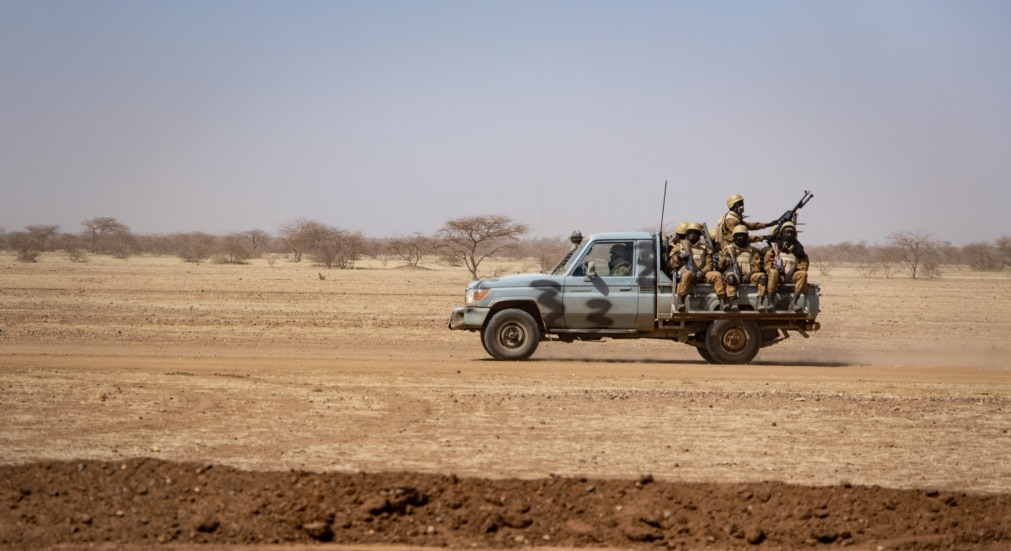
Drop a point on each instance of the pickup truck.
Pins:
(581, 300)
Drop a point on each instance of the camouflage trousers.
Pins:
(687, 280)
(754, 278)
(799, 280)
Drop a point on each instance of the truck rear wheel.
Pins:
(733, 341)
(511, 334)
(704, 352)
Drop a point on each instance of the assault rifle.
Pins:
(690, 261)
(709, 242)
(788, 216)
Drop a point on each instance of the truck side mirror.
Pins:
(591, 271)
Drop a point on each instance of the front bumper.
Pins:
(468, 318)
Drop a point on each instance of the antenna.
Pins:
(663, 207)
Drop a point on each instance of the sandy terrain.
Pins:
(150, 400)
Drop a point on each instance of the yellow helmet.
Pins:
(693, 226)
(788, 224)
(682, 228)
(740, 228)
(733, 200)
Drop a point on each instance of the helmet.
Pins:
(682, 228)
(740, 228)
(733, 200)
(788, 226)
(618, 249)
(693, 226)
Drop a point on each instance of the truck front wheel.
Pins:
(733, 341)
(511, 334)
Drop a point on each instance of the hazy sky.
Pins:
(391, 117)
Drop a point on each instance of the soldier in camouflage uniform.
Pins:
(749, 269)
(692, 260)
(723, 233)
(620, 263)
(786, 261)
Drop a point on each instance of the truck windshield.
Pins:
(565, 264)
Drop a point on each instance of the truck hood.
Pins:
(517, 280)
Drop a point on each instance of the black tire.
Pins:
(511, 334)
(704, 352)
(733, 341)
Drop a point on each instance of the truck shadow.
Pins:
(655, 361)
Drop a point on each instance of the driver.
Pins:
(620, 263)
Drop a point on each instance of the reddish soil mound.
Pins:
(146, 501)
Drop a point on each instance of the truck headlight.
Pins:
(475, 296)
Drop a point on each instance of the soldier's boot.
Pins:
(732, 305)
(795, 304)
(682, 303)
(761, 307)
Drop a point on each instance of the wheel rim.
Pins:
(734, 339)
(512, 336)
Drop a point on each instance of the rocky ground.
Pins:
(151, 402)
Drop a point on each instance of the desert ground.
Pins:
(281, 405)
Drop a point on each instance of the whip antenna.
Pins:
(663, 206)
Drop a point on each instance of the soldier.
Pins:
(786, 261)
(679, 233)
(723, 233)
(742, 263)
(678, 237)
(620, 263)
(694, 261)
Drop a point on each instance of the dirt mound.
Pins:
(146, 501)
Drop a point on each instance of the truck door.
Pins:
(602, 292)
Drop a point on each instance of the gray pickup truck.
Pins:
(581, 300)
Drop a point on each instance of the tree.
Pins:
(300, 235)
(26, 246)
(328, 245)
(919, 252)
(105, 235)
(411, 248)
(1003, 245)
(337, 247)
(44, 235)
(259, 241)
(235, 248)
(982, 256)
(194, 246)
(472, 239)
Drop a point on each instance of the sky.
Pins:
(390, 117)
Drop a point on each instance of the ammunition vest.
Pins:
(789, 263)
(725, 235)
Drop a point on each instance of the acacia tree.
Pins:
(337, 247)
(919, 252)
(105, 235)
(328, 245)
(472, 239)
(411, 248)
(300, 235)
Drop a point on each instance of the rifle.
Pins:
(732, 252)
(691, 261)
(779, 260)
(709, 242)
(788, 216)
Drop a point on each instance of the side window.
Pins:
(612, 258)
